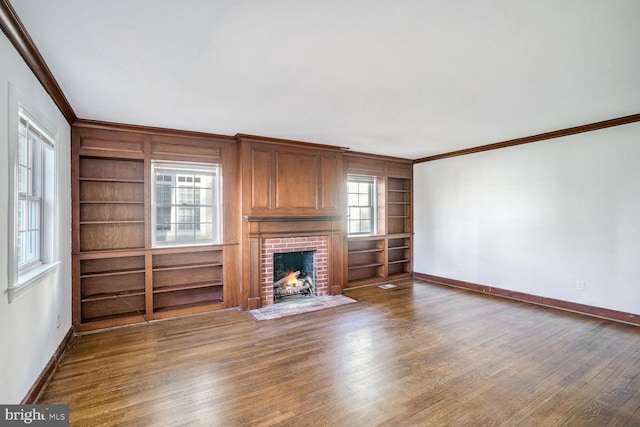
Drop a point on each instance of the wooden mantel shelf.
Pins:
(281, 218)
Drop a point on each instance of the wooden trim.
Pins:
(619, 316)
(20, 39)
(535, 138)
(95, 124)
(47, 373)
(378, 157)
(282, 218)
(240, 137)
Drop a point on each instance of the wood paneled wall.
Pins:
(288, 178)
(271, 188)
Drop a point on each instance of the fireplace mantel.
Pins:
(292, 218)
(257, 229)
(290, 189)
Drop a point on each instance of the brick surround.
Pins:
(271, 246)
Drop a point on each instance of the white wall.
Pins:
(538, 217)
(29, 335)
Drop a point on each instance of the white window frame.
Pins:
(186, 170)
(21, 278)
(372, 206)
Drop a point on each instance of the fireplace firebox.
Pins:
(293, 274)
(313, 254)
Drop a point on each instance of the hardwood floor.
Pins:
(418, 354)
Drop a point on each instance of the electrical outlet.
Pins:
(58, 322)
(580, 285)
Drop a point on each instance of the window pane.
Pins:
(32, 246)
(354, 214)
(353, 200)
(22, 215)
(22, 146)
(21, 248)
(185, 204)
(34, 215)
(23, 185)
(363, 200)
(361, 204)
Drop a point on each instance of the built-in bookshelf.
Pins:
(398, 205)
(386, 256)
(187, 279)
(366, 257)
(112, 287)
(398, 256)
(111, 197)
(119, 277)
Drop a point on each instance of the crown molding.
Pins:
(535, 138)
(20, 39)
(241, 137)
(96, 124)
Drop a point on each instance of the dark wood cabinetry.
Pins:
(387, 255)
(290, 178)
(366, 257)
(112, 286)
(111, 198)
(398, 205)
(124, 273)
(118, 276)
(289, 189)
(184, 279)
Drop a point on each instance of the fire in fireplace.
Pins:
(293, 274)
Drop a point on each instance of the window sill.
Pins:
(29, 279)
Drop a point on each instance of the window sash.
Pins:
(30, 173)
(186, 203)
(361, 209)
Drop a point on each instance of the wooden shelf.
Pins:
(102, 297)
(399, 261)
(134, 181)
(187, 266)
(111, 222)
(110, 273)
(112, 306)
(388, 256)
(111, 202)
(114, 319)
(118, 277)
(184, 280)
(364, 251)
(377, 264)
(174, 288)
(189, 307)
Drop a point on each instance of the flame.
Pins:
(292, 280)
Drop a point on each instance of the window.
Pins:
(186, 203)
(32, 202)
(361, 215)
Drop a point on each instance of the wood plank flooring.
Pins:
(419, 354)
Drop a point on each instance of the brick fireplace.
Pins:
(267, 236)
(271, 246)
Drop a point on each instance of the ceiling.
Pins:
(406, 78)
